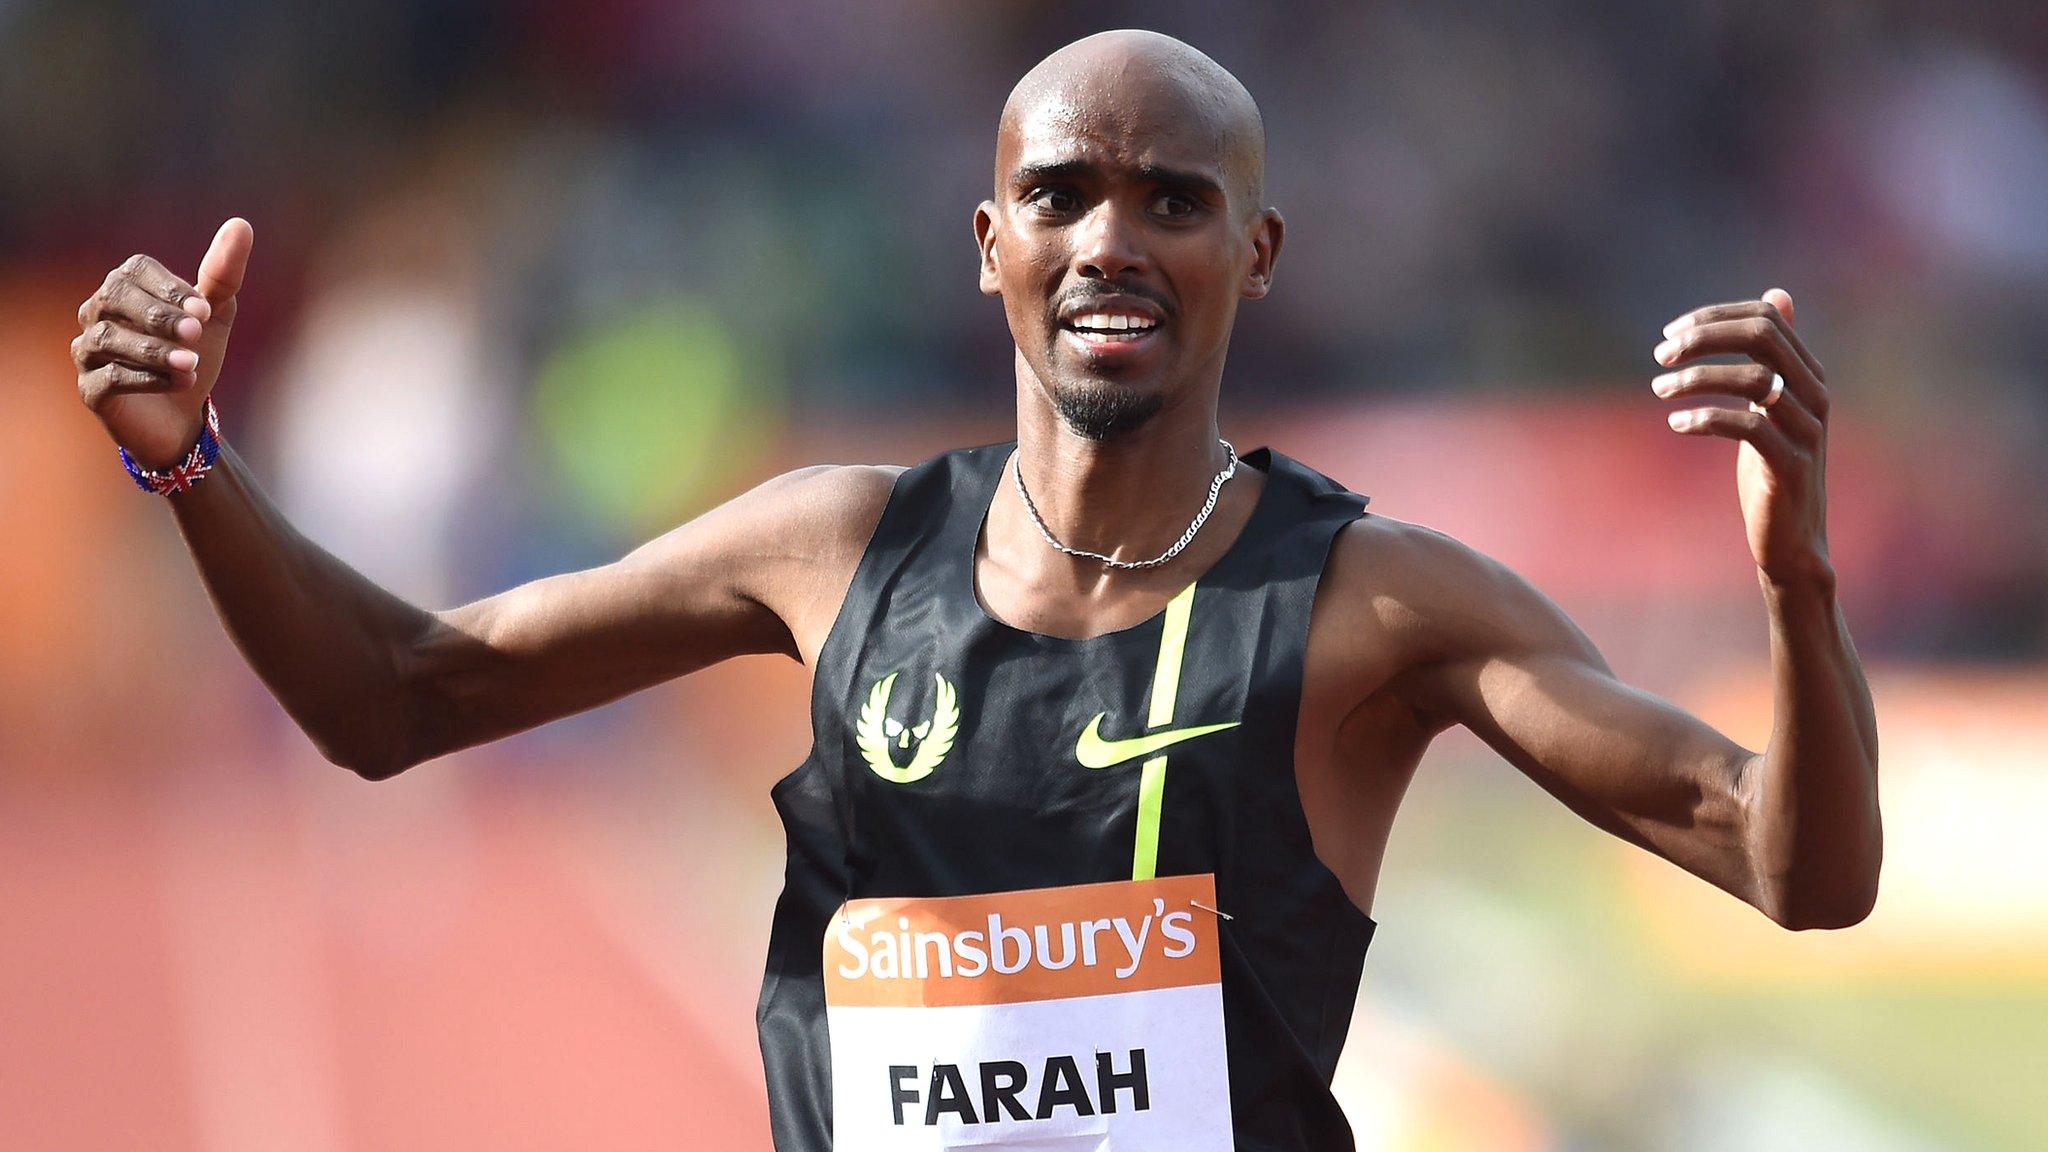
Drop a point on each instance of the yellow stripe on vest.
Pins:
(1173, 645)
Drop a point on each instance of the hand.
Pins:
(150, 346)
(1781, 462)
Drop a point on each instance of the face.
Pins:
(1121, 240)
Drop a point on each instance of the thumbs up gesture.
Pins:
(150, 346)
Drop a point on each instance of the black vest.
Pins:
(1010, 808)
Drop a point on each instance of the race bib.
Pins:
(1075, 1019)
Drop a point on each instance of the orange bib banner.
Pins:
(1079, 1017)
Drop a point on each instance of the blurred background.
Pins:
(535, 282)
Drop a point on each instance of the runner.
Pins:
(1111, 722)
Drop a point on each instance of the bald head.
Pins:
(1132, 83)
(1127, 224)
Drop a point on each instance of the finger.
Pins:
(126, 303)
(1751, 382)
(227, 259)
(1762, 337)
(1731, 310)
(1745, 310)
(1737, 424)
(1781, 300)
(152, 277)
(107, 342)
(110, 380)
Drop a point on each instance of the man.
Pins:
(1110, 729)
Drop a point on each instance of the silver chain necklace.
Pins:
(1215, 487)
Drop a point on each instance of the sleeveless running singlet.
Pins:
(1057, 894)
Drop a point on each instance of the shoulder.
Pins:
(1439, 594)
(789, 545)
(808, 514)
(833, 505)
(817, 521)
(845, 502)
(1399, 576)
(1398, 598)
(1406, 548)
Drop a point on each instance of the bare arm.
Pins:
(1502, 659)
(323, 638)
(379, 684)
(765, 572)
(1794, 830)
(320, 635)
(1515, 670)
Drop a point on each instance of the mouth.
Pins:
(1112, 329)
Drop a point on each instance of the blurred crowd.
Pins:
(467, 212)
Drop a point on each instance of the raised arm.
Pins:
(1793, 830)
(1510, 666)
(763, 573)
(379, 684)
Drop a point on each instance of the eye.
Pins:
(1176, 204)
(1055, 199)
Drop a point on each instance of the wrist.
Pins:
(182, 474)
(1814, 579)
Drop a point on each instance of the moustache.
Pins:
(1084, 295)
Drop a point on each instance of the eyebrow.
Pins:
(1177, 178)
(1050, 170)
(1180, 179)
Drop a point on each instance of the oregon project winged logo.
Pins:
(877, 730)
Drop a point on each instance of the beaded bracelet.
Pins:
(187, 472)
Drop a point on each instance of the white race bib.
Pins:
(1086, 1018)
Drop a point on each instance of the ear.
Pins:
(985, 240)
(1268, 230)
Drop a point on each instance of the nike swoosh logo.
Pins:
(1095, 752)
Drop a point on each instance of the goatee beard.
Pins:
(1104, 411)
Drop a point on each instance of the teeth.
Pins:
(1112, 322)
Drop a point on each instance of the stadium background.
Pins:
(534, 282)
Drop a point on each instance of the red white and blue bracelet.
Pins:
(187, 472)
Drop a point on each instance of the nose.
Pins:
(1107, 245)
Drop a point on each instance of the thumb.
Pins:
(1781, 300)
(220, 273)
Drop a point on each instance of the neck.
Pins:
(1129, 497)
